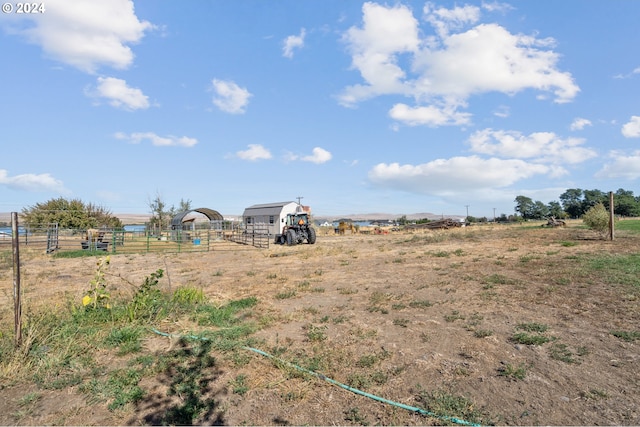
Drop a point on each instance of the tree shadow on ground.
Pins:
(186, 395)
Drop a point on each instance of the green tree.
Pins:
(402, 220)
(625, 203)
(69, 214)
(572, 202)
(160, 215)
(555, 210)
(524, 206)
(185, 205)
(539, 210)
(592, 198)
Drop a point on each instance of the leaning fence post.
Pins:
(17, 303)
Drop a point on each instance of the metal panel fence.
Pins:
(52, 239)
(115, 241)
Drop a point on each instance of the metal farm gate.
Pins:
(52, 237)
(252, 234)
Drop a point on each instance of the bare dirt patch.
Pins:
(413, 318)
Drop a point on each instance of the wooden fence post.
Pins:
(17, 303)
(611, 216)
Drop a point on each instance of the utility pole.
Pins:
(494, 214)
(299, 198)
(467, 206)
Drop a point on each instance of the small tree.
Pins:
(597, 218)
(69, 214)
(160, 215)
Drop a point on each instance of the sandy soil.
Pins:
(397, 315)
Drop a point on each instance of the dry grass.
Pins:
(403, 316)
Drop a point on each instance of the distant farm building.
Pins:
(271, 216)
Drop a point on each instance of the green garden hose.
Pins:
(341, 385)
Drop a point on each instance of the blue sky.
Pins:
(359, 107)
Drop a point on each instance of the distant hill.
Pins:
(385, 216)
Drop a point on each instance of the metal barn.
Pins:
(271, 215)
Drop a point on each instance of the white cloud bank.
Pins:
(541, 147)
(86, 34)
(512, 157)
(621, 166)
(229, 97)
(118, 94)
(158, 141)
(445, 176)
(293, 42)
(444, 70)
(32, 182)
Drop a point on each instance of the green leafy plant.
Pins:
(455, 315)
(148, 298)
(530, 339)
(627, 335)
(532, 327)
(444, 403)
(355, 416)
(239, 385)
(559, 351)
(98, 294)
(514, 372)
(316, 333)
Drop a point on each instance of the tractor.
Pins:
(297, 230)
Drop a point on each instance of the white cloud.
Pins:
(545, 147)
(579, 123)
(621, 166)
(444, 176)
(87, 34)
(428, 115)
(487, 58)
(119, 94)
(393, 57)
(319, 156)
(32, 182)
(229, 97)
(497, 7)
(628, 75)
(502, 111)
(632, 128)
(293, 42)
(444, 20)
(386, 33)
(254, 152)
(158, 141)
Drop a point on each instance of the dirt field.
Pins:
(400, 316)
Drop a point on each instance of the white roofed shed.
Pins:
(271, 215)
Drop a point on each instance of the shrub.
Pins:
(597, 218)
